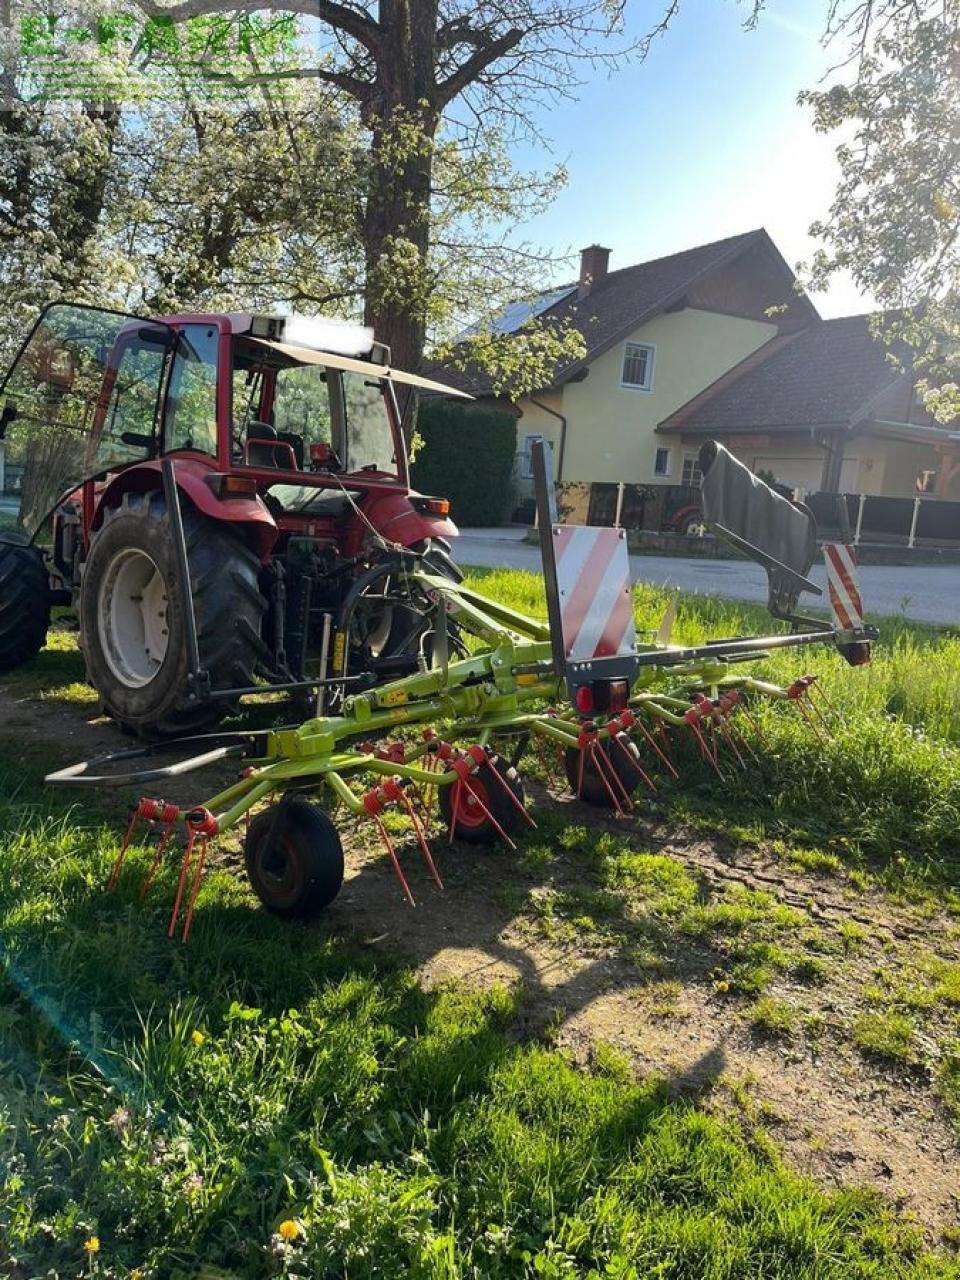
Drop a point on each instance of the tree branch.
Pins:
(486, 53)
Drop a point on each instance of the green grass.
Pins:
(180, 1103)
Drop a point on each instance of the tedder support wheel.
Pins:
(132, 626)
(595, 787)
(294, 859)
(485, 790)
(24, 601)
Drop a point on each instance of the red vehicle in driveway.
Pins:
(259, 459)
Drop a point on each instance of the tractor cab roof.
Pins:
(316, 333)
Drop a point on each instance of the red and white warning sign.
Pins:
(845, 603)
(593, 577)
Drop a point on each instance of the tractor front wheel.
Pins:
(24, 601)
(294, 859)
(473, 810)
(132, 624)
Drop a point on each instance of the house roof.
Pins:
(622, 300)
(826, 375)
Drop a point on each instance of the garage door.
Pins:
(805, 473)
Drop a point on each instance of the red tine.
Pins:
(657, 748)
(393, 858)
(421, 838)
(181, 883)
(486, 812)
(601, 764)
(195, 887)
(114, 877)
(634, 763)
(508, 792)
(157, 859)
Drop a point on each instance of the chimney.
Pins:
(594, 261)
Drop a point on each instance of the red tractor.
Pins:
(225, 502)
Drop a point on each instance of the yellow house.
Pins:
(716, 342)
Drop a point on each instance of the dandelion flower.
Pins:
(92, 1245)
(197, 1037)
(288, 1229)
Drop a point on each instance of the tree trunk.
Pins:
(403, 121)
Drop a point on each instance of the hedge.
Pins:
(467, 455)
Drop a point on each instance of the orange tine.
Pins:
(597, 757)
(810, 721)
(184, 869)
(157, 859)
(195, 887)
(656, 746)
(393, 858)
(634, 763)
(705, 750)
(741, 738)
(513, 799)
(814, 707)
(753, 723)
(724, 729)
(421, 838)
(114, 877)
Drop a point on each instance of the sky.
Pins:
(703, 140)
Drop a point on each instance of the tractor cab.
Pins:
(287, 449)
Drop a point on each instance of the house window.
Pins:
(637, 371)
(661, 463)
(526, 456)
(691, 471)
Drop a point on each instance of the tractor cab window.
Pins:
(370, 443)
(301, 404)
(81, 399)
(190, 420)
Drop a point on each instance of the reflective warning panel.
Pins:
(845, 603)
(593, 576)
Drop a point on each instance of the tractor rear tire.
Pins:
(294, 859)
(472, 825)
(132, 625)
(24, 601)
(595, 789)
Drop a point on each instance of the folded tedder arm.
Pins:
(580, 687)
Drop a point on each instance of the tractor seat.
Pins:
(264, 447)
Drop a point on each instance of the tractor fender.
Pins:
(394, 516)
(252, 513)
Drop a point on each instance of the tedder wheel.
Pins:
(294, 859)
(132, 626)
(595, 788)
(24, 601)
(472, 824)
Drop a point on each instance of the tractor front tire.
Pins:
(132, 624)
(24, 601)
(294, 859)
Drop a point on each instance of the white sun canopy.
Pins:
(305, 355)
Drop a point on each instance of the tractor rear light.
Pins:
(584, 699)
(431, 506)
(227, 485)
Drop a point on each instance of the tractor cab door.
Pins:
(82, 398)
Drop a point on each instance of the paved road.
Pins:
(926, 593)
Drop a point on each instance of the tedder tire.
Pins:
(294, 859)
(472, 824)
(593, 788)
(24, 601)
(132, 626)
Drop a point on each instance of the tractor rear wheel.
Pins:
(294, 859)
(617, 773)
(132, 625)
(462, 806)
(24, 601)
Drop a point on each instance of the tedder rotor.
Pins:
(579, 685)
